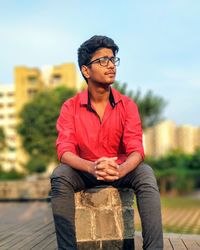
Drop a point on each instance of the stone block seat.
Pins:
(104, 218)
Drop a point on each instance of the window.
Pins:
(11, 137)
(10, 104)
(11, 126)
(32, 92)
(32, 79)
(56, 78)
(10, 94)
(11, 115)
(12, 149)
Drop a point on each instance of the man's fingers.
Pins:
(107, 178)
(100, 173)
(107, 172)
(110, 178)
(113, 164)
(105, 159)
(100, 178)
(107, 165)
(101, 159)
(112, 172)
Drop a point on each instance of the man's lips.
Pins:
(110, 73)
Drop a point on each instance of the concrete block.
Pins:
(84, 227)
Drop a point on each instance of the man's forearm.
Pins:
(132, 161)
(78, 163)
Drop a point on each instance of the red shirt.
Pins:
(81, 132)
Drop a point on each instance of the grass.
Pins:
(180, 202)
(180, 215)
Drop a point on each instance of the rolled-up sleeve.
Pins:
(66, 140)
(132, 136)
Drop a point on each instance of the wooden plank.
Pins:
(198, 242)
(138, 242)
(4, 236)
(33, 239)
(52, 246)
(28, 230)
(11, 242)
(177, 244)
(49, 243)
(167, 244)
(13, 235)
(191, 244)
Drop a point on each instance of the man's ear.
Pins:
(85, 71)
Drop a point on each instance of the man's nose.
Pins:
(111, 64)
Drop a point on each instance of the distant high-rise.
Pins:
(187, 138)
(8, 124)
(30, 81)
(166, 136)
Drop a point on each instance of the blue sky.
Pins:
(159, 43)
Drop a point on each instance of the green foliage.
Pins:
(177, 171)
(37, 127)
(10, 175)
(150, 106)
(2, 139)
(37, 165)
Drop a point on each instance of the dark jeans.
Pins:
(65, 181)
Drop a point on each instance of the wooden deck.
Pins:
(29, 226)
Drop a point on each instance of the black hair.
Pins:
(89, 47)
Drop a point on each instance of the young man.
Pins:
(100, 142)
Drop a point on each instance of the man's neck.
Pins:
(99, 94)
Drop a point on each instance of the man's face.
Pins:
(101, 71)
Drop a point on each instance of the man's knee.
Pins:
(145, 170)
(144, 175)
(64, 177)
(62, 171)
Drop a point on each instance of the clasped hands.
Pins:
(106, 169)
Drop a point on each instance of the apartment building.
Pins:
(8, 123)
(160, 138)
(30, 81)
(187, 138)
(166, 136)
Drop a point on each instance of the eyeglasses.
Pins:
(104, 61)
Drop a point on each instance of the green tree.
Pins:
(10, 175)
(177, 172)
(37, 127)
(2, 139)
(194, 167)
(2, 142)
(150, 106)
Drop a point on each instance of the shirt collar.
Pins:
(114, 98)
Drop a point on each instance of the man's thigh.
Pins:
(142, 174)
(79, 180)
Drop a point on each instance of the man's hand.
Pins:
(107, 169)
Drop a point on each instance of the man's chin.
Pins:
(111, 81)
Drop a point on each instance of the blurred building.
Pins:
(187, 138)
(30, 81)
(8, 123)
(197, 138)
(160, 138)
(166, 136)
